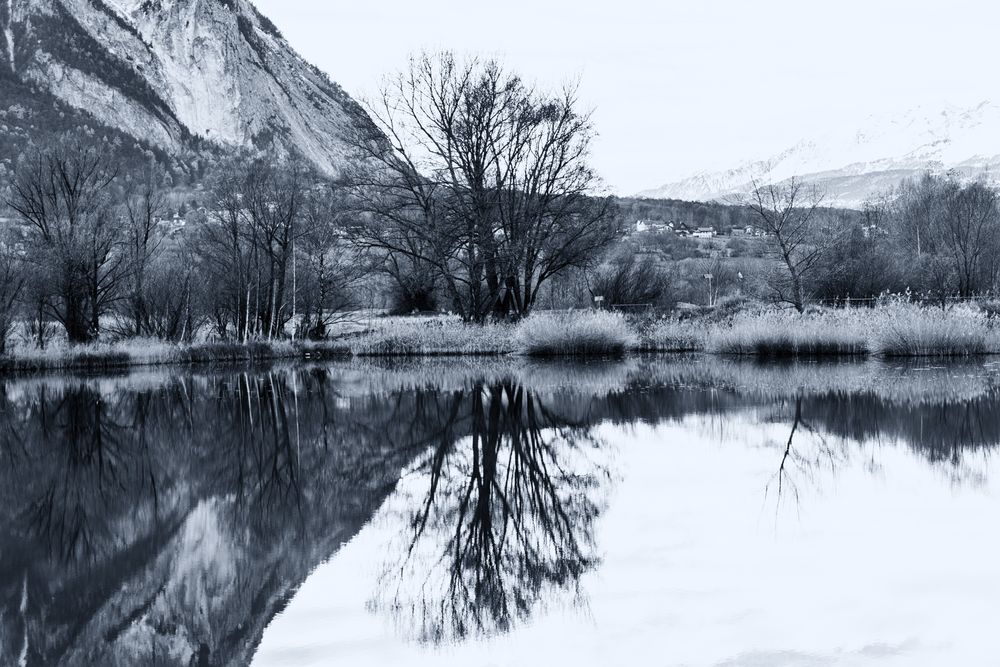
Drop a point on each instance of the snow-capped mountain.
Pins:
(165, 71)
(851, 167)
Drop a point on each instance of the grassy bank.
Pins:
(888, 331)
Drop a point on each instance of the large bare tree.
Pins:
(470, 171)
(65, 194)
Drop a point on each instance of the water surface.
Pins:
(646, 512)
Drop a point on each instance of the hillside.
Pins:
(176, 73)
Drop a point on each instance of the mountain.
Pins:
(175, 72)
(850, 167)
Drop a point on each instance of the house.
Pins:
(704, 233)
(653, 227)
(871, 231)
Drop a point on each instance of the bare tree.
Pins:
(65, 195)
(143, 207)
(12, 280)
(482, 178)
(328, 265)
(273, 197)
(951, 231)
(786, 212)
(225, 249)
(247, 245)
(970, 231)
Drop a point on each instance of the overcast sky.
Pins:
(678, 87)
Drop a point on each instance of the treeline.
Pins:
(936, 239)
(938, 236)
(470, 193)
(96, 253)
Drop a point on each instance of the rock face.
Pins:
(853, 166)
(170, 71)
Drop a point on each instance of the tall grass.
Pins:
(895, 329)
(672, 335)
(786, 335)
(587, 333)
(437, 336)
(904, 330)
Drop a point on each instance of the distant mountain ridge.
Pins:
(169, 71)
(851, 167)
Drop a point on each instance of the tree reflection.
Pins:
(803, 460)
(506, 518)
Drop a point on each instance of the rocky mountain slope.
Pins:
(169, 72)
(853, 166)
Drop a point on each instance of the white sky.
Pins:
(680, 86)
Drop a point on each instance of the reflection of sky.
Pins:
(881, 560)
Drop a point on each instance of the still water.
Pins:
(647, 512)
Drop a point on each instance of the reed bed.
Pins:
(400, 337)
(672, 335)
(895, 329)
(902, 330)
(587, 333)
(784, 335)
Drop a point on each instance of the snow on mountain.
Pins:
(853, 166)
(166, 71)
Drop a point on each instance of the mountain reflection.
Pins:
(165, 520)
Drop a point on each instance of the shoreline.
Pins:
(893, 331)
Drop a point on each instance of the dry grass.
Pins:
(672, 335)
(895, 329)
(585, 333)
(790, 335)
(903, 330)
(432, 336)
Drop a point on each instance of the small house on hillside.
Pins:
(704, 233)
(654, 227)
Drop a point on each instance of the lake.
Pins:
(653, 511)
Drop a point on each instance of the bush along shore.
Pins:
(890, 330)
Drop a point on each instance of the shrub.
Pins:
(580, 333)
(413, 292)
(632, 282)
